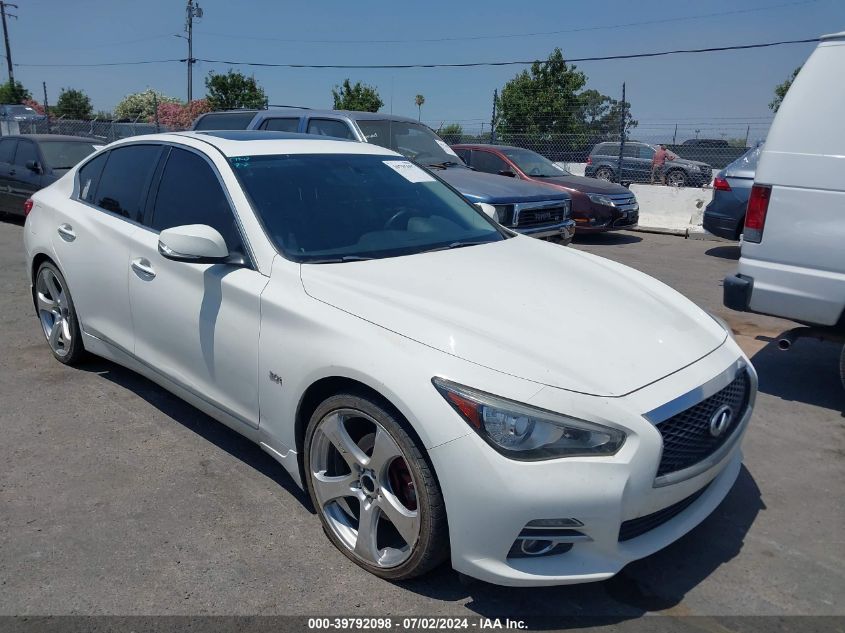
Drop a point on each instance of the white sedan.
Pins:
(441, 386)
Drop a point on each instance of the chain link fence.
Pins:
(102, 131)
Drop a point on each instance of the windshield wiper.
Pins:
(338, 260)
(443, 165)
(448, 247)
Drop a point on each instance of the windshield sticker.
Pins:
(446, 148)
(408, 171)
(240, 161)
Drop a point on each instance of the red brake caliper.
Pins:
(402, 483)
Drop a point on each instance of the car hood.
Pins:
(481, 187)
(587, 185)
(528, 308)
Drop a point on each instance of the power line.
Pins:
(466, 38)
(681, 51)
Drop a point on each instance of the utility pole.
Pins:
(3, 6)
(621, 136)
(493, 119)
(46, 106)
(192, 11)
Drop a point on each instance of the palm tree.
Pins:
(419, 100)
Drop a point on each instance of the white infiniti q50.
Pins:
(441, 387)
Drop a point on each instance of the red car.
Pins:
(597, 205)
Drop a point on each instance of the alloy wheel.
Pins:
(364, 488)
(53, 311)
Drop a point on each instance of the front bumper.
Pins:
(564, 231)
(491, 498)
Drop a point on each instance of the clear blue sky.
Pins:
(716, 92)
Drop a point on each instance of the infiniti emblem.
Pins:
(720, 420)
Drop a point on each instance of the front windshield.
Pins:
(414, 140)
(65, 154)
(21, 109)
(532, 164)
(328, 208)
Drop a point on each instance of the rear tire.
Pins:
(605, 173)
(57, 314)
(373, 488)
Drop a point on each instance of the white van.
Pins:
(793, 248)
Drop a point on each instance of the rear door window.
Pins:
(281, 125)
(191, 193)
(89, 177)
(330, 127)
(126, 179)
(488, 162)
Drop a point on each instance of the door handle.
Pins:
(66, 232)
(143, 266)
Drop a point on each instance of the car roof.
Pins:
(54, 137)
(261, 142)
(488, 146)
(351, 114)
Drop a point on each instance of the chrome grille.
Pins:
(686, 436)
(541, 215)
(624, 201)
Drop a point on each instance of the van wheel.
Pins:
(604, 173)
(676, 178)
(842, 367)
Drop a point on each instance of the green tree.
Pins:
(233, 90)
(12, 93)
(141, 105)
(360, 97)
(419, 100)
(542, 101)
(601, 116)
(451, 132)
(73, 104)
(782, 89)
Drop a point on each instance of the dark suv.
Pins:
(529, 208)
(603, 164)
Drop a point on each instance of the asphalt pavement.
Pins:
(118, 498)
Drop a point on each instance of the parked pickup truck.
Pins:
(530, 208)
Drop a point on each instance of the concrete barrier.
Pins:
(677, 210)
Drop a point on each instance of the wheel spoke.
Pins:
(330, 488)
(53, 287)
(334, 429)
(366, 545)
(65, 331)
(45, 304)
(55, 332)
(385, 450)
(406, 522)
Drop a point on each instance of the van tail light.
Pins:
(589, 160)
(755, 216)
(27, 206)
(721, 184)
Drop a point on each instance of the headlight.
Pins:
(526, 433)
(693, 167)
(601, 199)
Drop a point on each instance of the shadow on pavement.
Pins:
(724, 252)
(808, 372)
(607, 239)
(195, 420)
(655, 583)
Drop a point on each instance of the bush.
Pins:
(176, 115)
(141, 105)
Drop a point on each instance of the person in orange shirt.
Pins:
(658, 160)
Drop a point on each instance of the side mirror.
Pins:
(194, 243)
(33, 165)
(508, 173)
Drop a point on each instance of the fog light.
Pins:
(532, 548)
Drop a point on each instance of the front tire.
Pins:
(57, 315)
(374, 490)
(604, 173)
(676, 178)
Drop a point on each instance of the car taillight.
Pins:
(721, 184)
(755, 216)
(27, 206)
(589, 160)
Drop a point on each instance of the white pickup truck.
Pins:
(793, 246)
